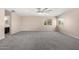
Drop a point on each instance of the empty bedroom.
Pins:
(39, 28)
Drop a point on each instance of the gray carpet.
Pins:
(39, 41)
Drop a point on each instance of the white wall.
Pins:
(15, 23)
(2, 23)
(70, 23)
(25, 23)
(7, 18)
(35, 23)
(30, 23)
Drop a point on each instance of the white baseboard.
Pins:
(73, 36)
(70, 35)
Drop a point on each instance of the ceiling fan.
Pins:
(43, 10)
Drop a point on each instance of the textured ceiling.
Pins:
(33, 11)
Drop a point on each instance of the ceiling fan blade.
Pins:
(38, 9)
(44, 9)
(47, 10)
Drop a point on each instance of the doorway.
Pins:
(7, 19)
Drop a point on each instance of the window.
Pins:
(48, 22)
(61, 20)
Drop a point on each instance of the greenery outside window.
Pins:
(48, 22)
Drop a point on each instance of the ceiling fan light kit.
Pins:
(43, 11)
